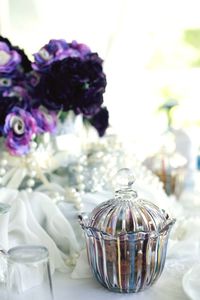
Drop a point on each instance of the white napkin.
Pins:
(82, 268)
(35, 219)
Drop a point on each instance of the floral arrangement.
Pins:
(34, 96)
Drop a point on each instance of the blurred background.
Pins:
(151, 52)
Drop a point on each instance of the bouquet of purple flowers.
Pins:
(34, 95)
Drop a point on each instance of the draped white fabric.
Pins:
(36, 219)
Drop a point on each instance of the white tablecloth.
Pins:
(168, 287)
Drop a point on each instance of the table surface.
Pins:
(169, 286)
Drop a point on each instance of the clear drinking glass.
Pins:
(28, 273)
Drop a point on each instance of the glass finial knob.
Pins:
(124, 179)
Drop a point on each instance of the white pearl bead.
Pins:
(73, 194)
(80, 178)
(79, 206)
(33, 146)
(32, 164)
(54, 200)
(79, 168)
(75, 255)
(71, 190)
(46, 138)
(2, 172)
(30, 183)
(55, 197)
(3, 162)
(77, 199)
(68, 261)
(102, 169)
(81, 187)
(33, 136)
(83, 159)
(29, 190)
(32, 173)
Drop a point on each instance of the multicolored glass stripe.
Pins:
(128, 263)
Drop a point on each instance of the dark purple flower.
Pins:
(74, 84)
(57, 50)
(100, 121)
(9, 59)
(46, 120)
(20, 129)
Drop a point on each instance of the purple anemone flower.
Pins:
(6, 83)
(46, 120)
(57, 50)
(9, 59)
(25, 62)
(15, 96)
(49, 53)
(77, 50)
(20, 129)
(18, 92)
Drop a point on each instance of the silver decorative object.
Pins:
(126, 239)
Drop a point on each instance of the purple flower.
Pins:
(77, 50)
(5, 83)
(31, 85)
(74, 84)
(18, 92)
(8, 100)
(25, 62)
(5, 40)
(57, 50)
(33, 79)
(21, 95)
(9, 59)
(20, 128)
(46, 120)
(49, 53)
(100, 121)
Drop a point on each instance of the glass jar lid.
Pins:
(127, 213)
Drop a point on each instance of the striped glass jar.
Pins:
(126, 239)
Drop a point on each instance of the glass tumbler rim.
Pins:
(28, 254)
